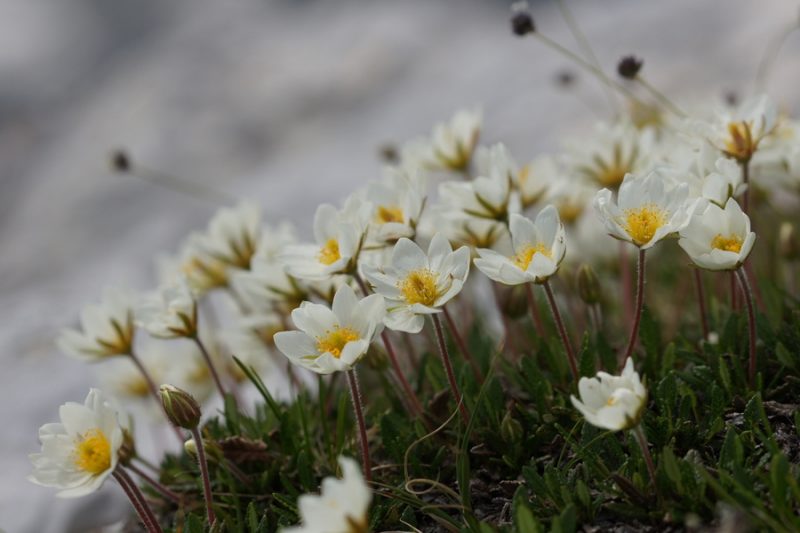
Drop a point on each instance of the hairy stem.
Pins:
(355, 394)
(448, 367)
(701, 301)
(651, 467)
(534, 310)
(639, 306)
(164, 491)
(751, 325)
(137, 500)
(562, 331)
(462, 346)
(203, 464)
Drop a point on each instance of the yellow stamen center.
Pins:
(611, 400)
(136, 386)
(740, 144)
(419, 287)
(388, 213)
(329, 253)
(93, 452)
(642, 223)
(731, 243)
(524, 257)
(612, 176)
(335, 340)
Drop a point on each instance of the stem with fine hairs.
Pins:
(210, 364)
(355, 395)
(462, 346)
(161, 489)
(651, 467)
(701, 301)
(137, 500)
(203, 463)
(562, 331)
(627, 283)
(746, 180)
(448, 368)
(751, 325)
(535, 316)
(639, 306)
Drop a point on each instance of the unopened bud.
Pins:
(190, 447)
(588, 285)
(181, 408)
(521, 19)
(788, 245)
(629, 66)
(510, 428)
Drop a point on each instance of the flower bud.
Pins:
(588, 285)
(629, 67)
(510, 428)
(788, 245)
(190, 447)
(181, 408)
(521, 19)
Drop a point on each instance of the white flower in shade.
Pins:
(339, 237)
(341, 507)
(202, 271)
(106, 329)
(648, 209)
(450, 146)
(251, 341)
(717, 238)
(397, 203)
(81, 451)
(538, 249)
(489, 198)
(122, 379)
(738, 133)
(333, 338)
(416, 284)
(610, 153)
(612, 402)
(233, 235)
(534, 180)
(170, 313)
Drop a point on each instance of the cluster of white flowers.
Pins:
(367, 267)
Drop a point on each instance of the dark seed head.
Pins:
(629, 66)
(522, 23)
(120, 161)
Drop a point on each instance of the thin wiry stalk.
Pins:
(448, 367)
(639, 306)
(137, 500)
(355, 395)
(751, 325)
(203, 463)
(562, 332)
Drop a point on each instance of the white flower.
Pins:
(202, 271)
(450, 146)
(490, 198)
(339, 237)
(397, 203)
(333, 339)
(610, 153)
(612, 402)
(341, 507)
(81, 451)
(106, 329)
(737, 133)
(170, 313)
(415, 284)
(233, 235)
(717, 238)
(251, 341)
(647, 209)
(538, 249)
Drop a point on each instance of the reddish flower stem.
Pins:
(462, 346)
(210, 364)
(203, 464)
(137, 500)
(701, 301)
(534, 310)
(164, 491)
(639, 306)
(751, 324)
(562, 331)
(448, 367)
(355, 394)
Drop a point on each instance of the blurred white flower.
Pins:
(339, 237)
(202, 271)
(450, 146)
(538, 249)
(251, 341)
(397, 202)
(336, 338)
(81, 451)
(648, 209)
(233, 235)
(717, 238)
(169, 313)
(737, 133)
(416, 284)
(106, 329)
(341, 507)
(612, 402)
(612, 151)
(490, 198)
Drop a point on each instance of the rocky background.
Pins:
(285, 102)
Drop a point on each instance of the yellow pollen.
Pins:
(732, 243)
(740, 144)
(335, 340)
(136, 387)
(329, 253)
(611, 400)
(642, 223)
(93, 452)
(388, 213)
(419, 287)
(524, 257)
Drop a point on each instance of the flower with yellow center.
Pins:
(81, 451)
(612, 402)
(416, 283)
(398, 199)
(342, 506)
(449, 146)
(717, 238)
(388, 213)
(333, 339)
(169, 313)
(339, 236)
(538, 247)
(647, 209)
